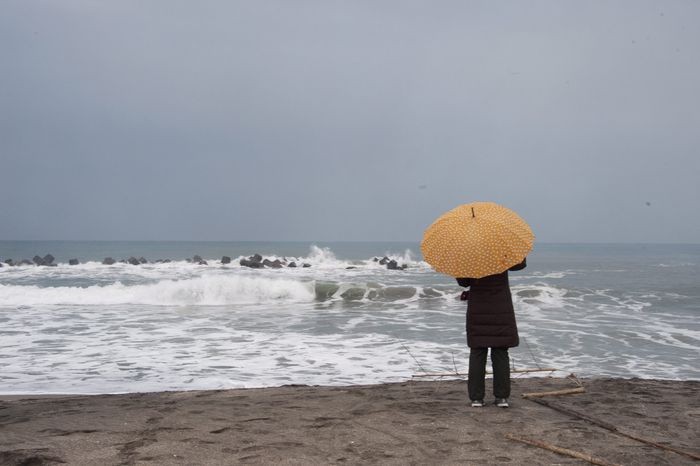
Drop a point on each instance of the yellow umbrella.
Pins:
(475, 240)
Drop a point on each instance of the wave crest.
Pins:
(204, 290)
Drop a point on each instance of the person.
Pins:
(490, 324)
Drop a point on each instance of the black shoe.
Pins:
(502, 402)
(477, 403)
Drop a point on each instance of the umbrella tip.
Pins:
(473, 216)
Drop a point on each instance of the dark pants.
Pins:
(477, 372)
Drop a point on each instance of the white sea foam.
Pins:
(204, 290)
(680, 264)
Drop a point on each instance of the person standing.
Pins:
(490, 324)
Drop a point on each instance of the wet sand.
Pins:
(414, 422)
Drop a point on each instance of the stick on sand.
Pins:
(615, 429)
(464, 374)
(567, 391)
(561, 451)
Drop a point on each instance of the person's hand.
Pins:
(464, 296)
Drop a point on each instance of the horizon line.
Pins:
(330, 241)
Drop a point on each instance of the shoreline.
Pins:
(556, 375)
(412, 422)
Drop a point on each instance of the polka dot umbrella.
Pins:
(475, 240)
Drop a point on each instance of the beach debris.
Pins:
(566, 391)
(464, 374)
(562, 451)
(73, 262)
(108, 261)
(420, 366)
(225, 260)
(612, 428)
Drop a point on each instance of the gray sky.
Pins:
(347, 120)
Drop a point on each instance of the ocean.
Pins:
(590, 309)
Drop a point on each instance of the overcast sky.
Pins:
(347, 120)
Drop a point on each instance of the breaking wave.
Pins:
(217, 290)
(204, 290)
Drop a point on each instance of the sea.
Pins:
(618, 310)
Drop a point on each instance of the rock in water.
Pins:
(292, 264)
(133, 261)
(196, 259)
(392, 265)
(143, 260)
(251, 263)
(48, 259)
(276, 264)
(38, 260)
(385, 260)
(73, 262)
(305, 265)
(108, 261)
(226, 260)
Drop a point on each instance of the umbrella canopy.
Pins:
(475, 240)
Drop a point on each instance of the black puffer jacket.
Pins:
(490, 314)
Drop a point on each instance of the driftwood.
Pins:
(561, 451)
(614, 429)
(464, 374)
(567, 391)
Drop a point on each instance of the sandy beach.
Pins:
(415, 422)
